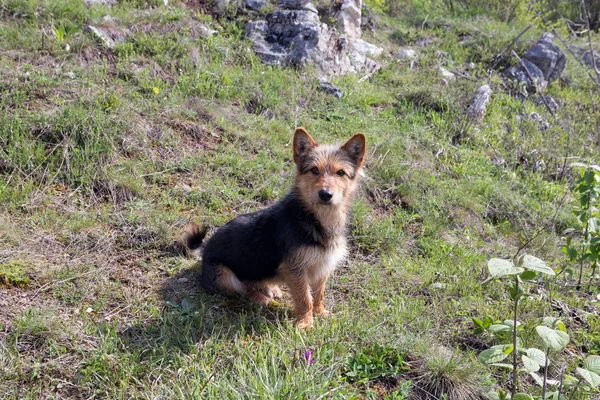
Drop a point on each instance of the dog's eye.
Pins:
(315, 170)
(341, 172)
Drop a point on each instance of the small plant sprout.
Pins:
(587, 251)
(525, 268)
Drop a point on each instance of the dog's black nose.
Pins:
(325, 195)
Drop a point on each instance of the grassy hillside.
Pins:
(107, 154)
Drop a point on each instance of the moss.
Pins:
(14, 274)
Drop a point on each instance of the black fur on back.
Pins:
(253, 245)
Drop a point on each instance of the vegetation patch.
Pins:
(15, 274)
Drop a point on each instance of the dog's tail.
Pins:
(192, 239)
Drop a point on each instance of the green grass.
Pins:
(106, 156)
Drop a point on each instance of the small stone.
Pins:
(446, 74)
(407, 54)
(255, 5)
(477, 109)
(103, 35)
(89, 310)
(539, 119)
(547, 100)
(103, 2)
(423, 42)
(328, 87)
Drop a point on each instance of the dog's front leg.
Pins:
(299, 287)
(318, 291)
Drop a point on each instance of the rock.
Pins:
(548, 57)
(197, 29)
(477, 109)
(102, 34)
(520, 74)
(540, 120)
(328, 87)
(366, 48)
(348, 16)
(103, 2)
(446, 74)
(255, 5)
(294, 35)
(547, 100)
(587, 56)
(423, 42)
(545, 61)
(366, 19)
(407, 54)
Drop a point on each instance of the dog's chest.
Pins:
(326, 259)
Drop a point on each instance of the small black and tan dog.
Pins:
(297, 241)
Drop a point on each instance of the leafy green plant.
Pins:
(372, 362)
(587, 250)
(525, 268)
(532, 361)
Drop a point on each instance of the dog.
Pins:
(297, 241)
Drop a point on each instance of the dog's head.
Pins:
(327, 175)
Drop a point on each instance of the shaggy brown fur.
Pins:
(297, 241)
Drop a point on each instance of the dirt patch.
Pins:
(386, 200)
(194, 136)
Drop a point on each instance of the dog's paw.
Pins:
(322, 312)
(305, 322)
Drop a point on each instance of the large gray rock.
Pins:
(545, 61)
(294, 35)
(347, 14)
(548, 57)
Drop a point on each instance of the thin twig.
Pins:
(509, 47)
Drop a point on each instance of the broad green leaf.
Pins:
(535, 264)
(493, 396)
(510, 322)
(538, 379)
(530, 364)
(500, 267)
(499, 328)
(493, 355)
(537, 355)
(570, 380)
(590, 377)
(477, 322)
(528, 275)
(554, 323)
(592, 363)
(522, 396)
(555, 339)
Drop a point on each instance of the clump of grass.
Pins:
(445, 375)
(36, 330)
(14, 274)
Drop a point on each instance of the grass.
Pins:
(106, 156)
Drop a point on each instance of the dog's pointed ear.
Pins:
(303, 142)
(356, 147)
